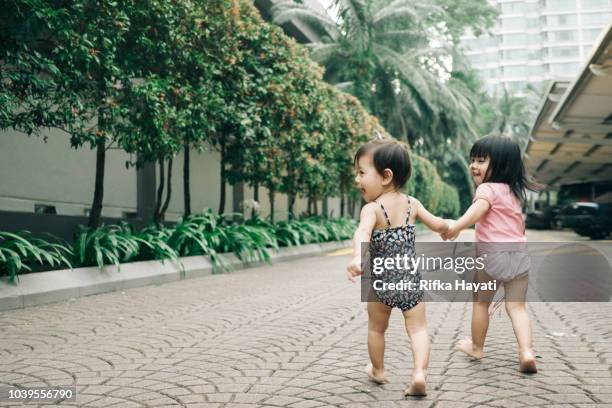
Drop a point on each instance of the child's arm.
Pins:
(432, 222)
(471, 216)
(367, 221)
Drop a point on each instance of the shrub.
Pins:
(21, 251)
(201, 234)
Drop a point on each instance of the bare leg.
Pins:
(516, 292)
(416, 327)
(378, 321)
(474, 347)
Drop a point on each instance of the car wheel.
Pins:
(597, 235)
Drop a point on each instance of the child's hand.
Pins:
(447, 224)
(452, 233)
(354, 269)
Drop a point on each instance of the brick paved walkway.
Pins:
(290, 335)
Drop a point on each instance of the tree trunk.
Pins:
(186, 183)
(325, 207)
(160, 193)
(96, 206)
(222, 198)
(291, 202)
(315, 208)
(341, 204)
(162, 215)
(271, 199)
(255, 197)
(309, 210)
(349, 205)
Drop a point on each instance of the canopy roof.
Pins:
(571, 139)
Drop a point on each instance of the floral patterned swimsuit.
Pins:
(388, 243)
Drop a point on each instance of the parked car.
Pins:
(543, 217)
(586, 208)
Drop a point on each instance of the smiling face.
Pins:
(478, 169)
(371, 183)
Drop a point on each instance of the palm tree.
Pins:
(511, 114)
(382, 52)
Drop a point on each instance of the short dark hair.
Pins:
(505, 163)
(388, 154)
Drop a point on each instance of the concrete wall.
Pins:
(205, 184)
(52, 173)
(34, 172)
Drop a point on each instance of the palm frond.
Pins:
(322, 53)
(286, 11)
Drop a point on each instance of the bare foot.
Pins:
(527, 363)
(418, 387)
(468, 348)
(378, 378)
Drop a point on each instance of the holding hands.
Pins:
(452, 232)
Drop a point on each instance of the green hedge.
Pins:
(202, 234)
(426, 185)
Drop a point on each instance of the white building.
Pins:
(534, 41)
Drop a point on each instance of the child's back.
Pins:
(498, 171)
(391, 242)
(504, 220)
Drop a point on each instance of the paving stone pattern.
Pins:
(291, 335)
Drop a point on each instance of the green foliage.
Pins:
(426, 185)
(201, 234)
(21, 251)
(449, 205)
(151, 77)
(109, 244)
(394, 55)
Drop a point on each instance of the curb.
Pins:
(40, 288)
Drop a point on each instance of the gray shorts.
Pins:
(507, 266)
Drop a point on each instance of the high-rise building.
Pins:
(536, 40)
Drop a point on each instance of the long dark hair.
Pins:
(505, 164)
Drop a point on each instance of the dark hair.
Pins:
(505, 163)
(388, 154)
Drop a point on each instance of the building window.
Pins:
(562, 20)
(561, 36)
(599, 19)
(534, 55)
(514, 39)
(560, 5)
(595, 4)
(514, 23)
(512, 8)
(515, 71)
(591, 35)
(533, 23)
(566, 68)
(564, 52)
(513, 55)
(535, 70)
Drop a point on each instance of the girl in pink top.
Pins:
(499, 174)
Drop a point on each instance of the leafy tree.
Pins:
(63, 64)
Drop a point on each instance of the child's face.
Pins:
(370, 182)
(478, 168)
